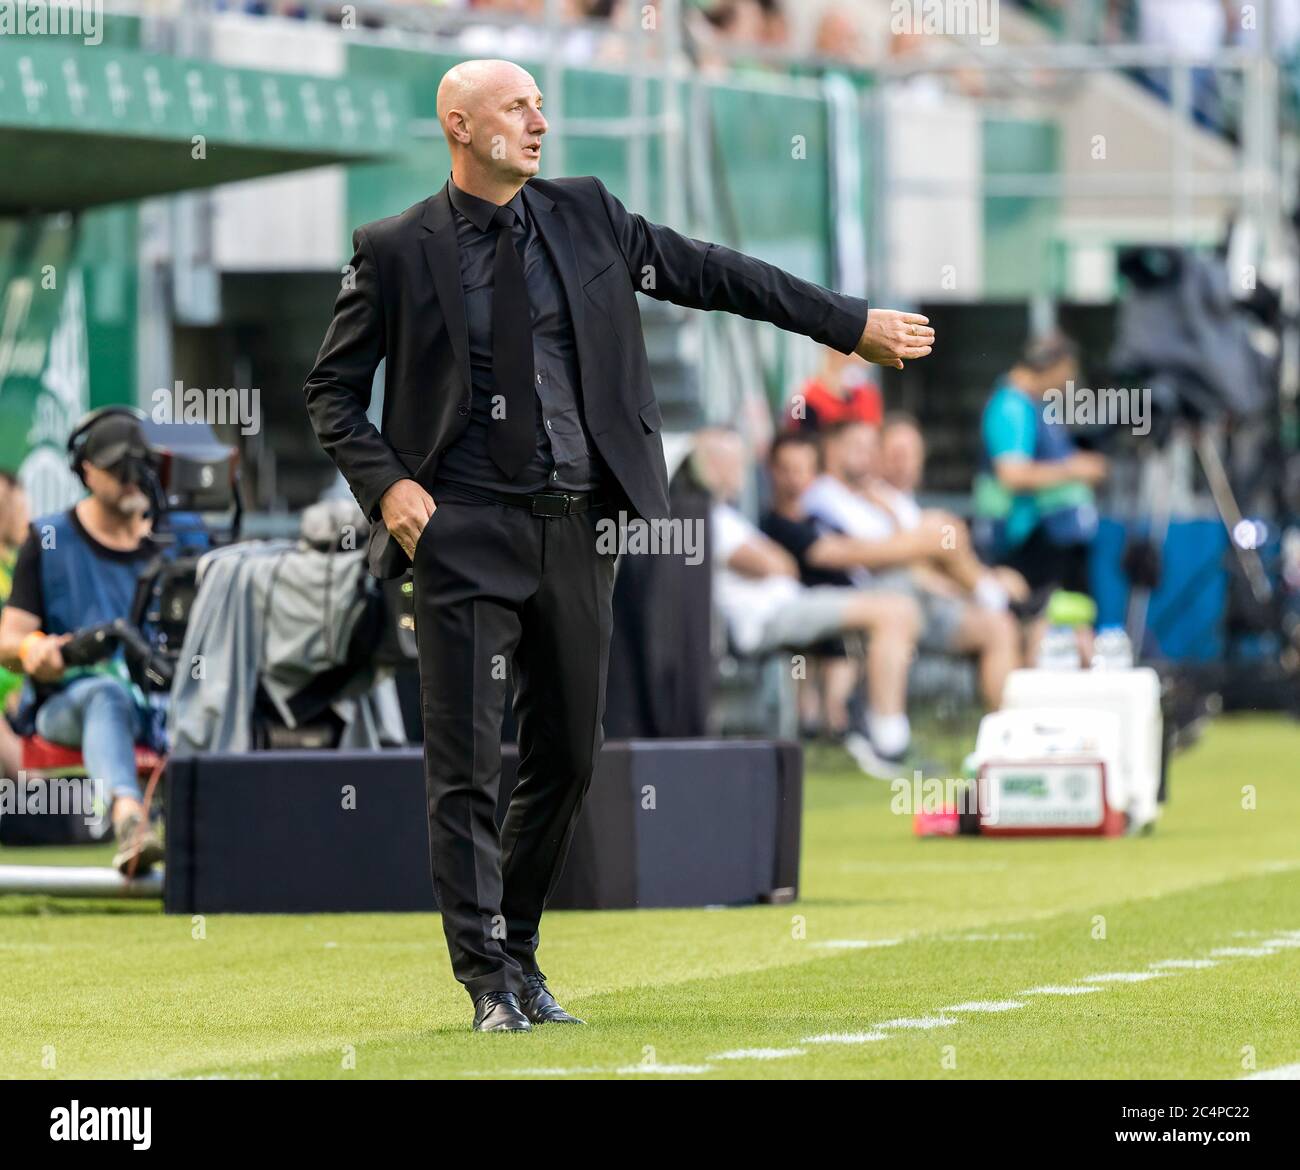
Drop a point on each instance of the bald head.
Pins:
(468, 85)
(491, 115)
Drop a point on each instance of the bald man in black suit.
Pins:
(518, 411)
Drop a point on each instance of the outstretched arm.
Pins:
(668, 266)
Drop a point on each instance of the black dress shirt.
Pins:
(564, 457)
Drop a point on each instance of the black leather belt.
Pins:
(551, 504)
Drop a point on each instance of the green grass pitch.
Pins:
(889, 932)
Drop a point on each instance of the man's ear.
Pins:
(458, 126)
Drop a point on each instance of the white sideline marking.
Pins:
(919, 1022)
(858, 944)
(1084, 986)
(1288, 1072)
(986, 937)
(1052, 990)
(759, 1054)
(627, 1070)
(669, 1070)
(1122, 977)
(991, 1005)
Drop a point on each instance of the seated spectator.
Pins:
(14, 519)
(965, 611)
(1194, 28)
(766, 608)
(722, 31)
(902, 468)
(793, 463)
(839, 38)
(521, 37)
(841, 390)
(902, 453)
(74, 570)
(776, 28)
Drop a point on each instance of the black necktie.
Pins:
(513, 437)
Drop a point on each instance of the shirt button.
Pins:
(462, 409)
(548, 424)
(542, 376)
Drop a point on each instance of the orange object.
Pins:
(24, 644)
(824, 407)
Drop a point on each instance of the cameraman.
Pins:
(78, 569)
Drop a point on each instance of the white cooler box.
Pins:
(1068, 718)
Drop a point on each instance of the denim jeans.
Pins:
(96, 714)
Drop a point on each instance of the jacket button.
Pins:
(462, 409)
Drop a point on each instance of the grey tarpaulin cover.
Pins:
(283, 613)
(1193, 332)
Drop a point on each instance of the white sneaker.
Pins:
(871, 761)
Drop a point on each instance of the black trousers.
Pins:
(1042, 562)
(502, 595)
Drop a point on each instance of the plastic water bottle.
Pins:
(1112, 650)
(1059, 649)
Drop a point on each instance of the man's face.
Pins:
(794, 467)
(125, 499)
(855, 452)
(727, 466)
(506, 126)
(1055, 378)
(902, 457)
(15, 516)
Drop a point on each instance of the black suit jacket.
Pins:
(402, 301)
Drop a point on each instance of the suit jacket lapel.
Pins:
(442, 253)
(554, 230)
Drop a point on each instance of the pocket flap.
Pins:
(651, 419)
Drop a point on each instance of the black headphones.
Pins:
(77, 440)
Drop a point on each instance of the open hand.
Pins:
(891, 337)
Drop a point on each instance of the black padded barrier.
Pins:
(666, 823)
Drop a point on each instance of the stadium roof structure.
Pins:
(81, 127)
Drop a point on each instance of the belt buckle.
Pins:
(552, 504)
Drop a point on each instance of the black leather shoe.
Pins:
(499, 1011)
(540, 1005)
